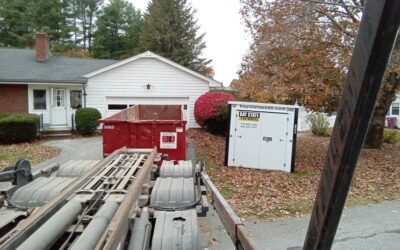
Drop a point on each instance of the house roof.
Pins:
(19, 65)
(148, 54)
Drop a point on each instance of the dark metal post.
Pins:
(377, 34)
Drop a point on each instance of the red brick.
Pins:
(13, 98)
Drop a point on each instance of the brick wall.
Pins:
(13, 98)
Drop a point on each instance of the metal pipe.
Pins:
(47, 234)
(96, 227)
(117, 230)
(140, 237)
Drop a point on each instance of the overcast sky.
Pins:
(226, 39)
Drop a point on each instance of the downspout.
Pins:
(84, 94)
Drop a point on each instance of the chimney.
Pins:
(42, 47)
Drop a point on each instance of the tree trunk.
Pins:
(387, 95)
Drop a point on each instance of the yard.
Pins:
(273, 194)
(35, 152)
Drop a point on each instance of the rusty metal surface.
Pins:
(377, 33)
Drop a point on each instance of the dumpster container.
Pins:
(147, 126)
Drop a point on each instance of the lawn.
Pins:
(35, 152)
(265, 194)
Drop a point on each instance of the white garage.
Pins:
(116, 104)
(146, 79)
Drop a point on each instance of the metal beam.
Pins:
(376, 37)
(117, 230)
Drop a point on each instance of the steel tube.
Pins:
(117, 230)
(28, 226)
(47, 234)
(141, 232)
(96, 227)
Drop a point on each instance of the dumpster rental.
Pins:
(147, 126)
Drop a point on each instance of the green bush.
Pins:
(391, 136)
(18, 128)
(319, 123)
(86, 120)
(4, 115)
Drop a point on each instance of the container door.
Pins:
(273, 141)
(247, 134)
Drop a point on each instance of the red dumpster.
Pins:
(147, 126)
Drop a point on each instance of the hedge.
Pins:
(4, 115)
(18, 128)
(211, 111)
(86, 120)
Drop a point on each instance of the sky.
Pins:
(225, 36)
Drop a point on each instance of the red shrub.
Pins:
(209, 105)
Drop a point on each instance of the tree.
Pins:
(20, 20)
(291, 59)
(170, 30)
(118, 28)
(15, 23)
(83, 14)
(328, 30)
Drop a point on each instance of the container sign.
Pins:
(168, 140)
(249, 116)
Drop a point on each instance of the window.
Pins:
(39, 99)
(396, 108)
(117, 106)
(185, 107)
(76, 98)
(59, 97)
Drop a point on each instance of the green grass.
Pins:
(11, 157)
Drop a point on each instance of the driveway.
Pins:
(74, 149)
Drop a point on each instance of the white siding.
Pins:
(130, 81)
(47, 116)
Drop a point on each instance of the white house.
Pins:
(146, 79)
(33, 81)
(394, 110)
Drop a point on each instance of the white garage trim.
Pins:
(129, 101)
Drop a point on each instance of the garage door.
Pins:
(116, 104)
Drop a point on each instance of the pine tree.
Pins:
(16, 23)
(170, 30)
(21, 19)
(118, 28)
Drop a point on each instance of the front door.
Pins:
(59, 107)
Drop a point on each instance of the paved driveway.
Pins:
(74, 149)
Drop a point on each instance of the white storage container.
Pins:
(262, 136)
